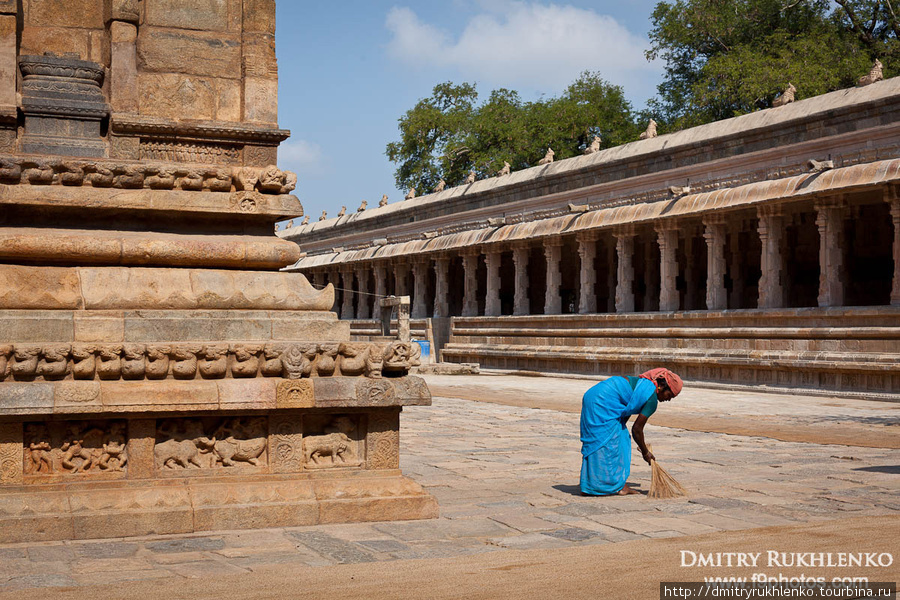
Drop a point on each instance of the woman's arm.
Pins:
(637, 432)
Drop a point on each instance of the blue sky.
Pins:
(349, 70)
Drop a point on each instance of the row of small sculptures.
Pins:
(85, 361)
(35, 171)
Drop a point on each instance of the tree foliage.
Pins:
(729, 57)
(448, 134)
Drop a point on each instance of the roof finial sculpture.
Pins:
(470, 178)
(440, 186)
(323, 216)
(342, 212)
(305, 220)
(548, 158)
(786, 98)
(289, 224)
(650, 132)
(383, 201)
(362, 206)
(410, 194)
(594, 147)
(504, 170)
(875, 74)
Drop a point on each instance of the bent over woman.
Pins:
(605, 443)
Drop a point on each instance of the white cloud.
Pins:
(303, 157)
(514, 44)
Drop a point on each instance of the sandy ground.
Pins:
(625, 571)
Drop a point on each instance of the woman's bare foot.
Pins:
(626, 491)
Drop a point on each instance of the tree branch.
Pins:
(857, 26)
(893, 20)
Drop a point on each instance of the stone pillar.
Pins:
(714, 235)
(895, 217)
(420, 288)
(771, 232)
(260, 68)
(400, 272)
(690, 268)
(347, 284)
(363, 299)
(737, 266)
(381, 275)
(587, 252)
(470, 290)
(553, 253)
(441, 286)
(492, 294)
(610, 278)
(625, 270)
(831, 251)
(667, 236)
(520, 259)
(123, 83)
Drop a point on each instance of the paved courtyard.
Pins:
(506, 479)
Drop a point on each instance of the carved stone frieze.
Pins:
(159, 176)
(75, 447)
(336, 446)
(188, 360)
(295, 393)
(383, 441)
(286, 442)
(211, 443)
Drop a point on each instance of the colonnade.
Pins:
(773, 256)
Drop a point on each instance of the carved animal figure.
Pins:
(342, 212)
(133, 365)
(323, 216)
(650, 132)
(217, 181)
(383, 201)
(594, 147)
(55, 361)
(160, 178)
(318, 447)
(548, 158)
(157, 366)
(26, 363)
(10, 170)
(190, 180)
(362, 206)
(115, 451)
(185, 366)
(817, 166)
(305, 220)
(37, 172)
(245, 178)
(76, 457)
(70, 173)
(374, 360)
(182, 449)
(6, 351)
(230, 447)
(271, 180)
(504, 170)
(470, 178)
(401, 356)
(440, 186)
(215, 362)
(109, 366)
(246, 360)
(98, 175)
(84, 364)
(874, 74)
(326, 362)
(271, 366)
(297, 360)
(128, 176)
(353, 358)
(785, 98)
(290, 182)
(678, 190)
(410, 194)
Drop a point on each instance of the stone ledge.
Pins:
(39, 399)
(73, 511)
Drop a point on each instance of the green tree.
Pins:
(729, 57)
(447, 135)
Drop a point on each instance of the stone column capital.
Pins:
(553, 241)
(770, 210)
(830, 202)
(713, 219)
(591, 235)
(624, 231)
(667, 225)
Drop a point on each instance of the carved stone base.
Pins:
(186, 505)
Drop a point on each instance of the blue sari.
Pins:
(605, 442)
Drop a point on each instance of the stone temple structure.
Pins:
(158, 374)
(761, 250)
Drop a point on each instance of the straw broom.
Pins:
(663, 485)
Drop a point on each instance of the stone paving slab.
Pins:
(507, 479)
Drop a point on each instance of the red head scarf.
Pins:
(672, 380)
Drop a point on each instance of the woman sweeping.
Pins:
(605, 443)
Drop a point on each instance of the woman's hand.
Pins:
(648, 456)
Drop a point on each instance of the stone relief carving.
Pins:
(295, 393)
(211, 443)
(335, 447)
(548, 158)
(10, 453)
(75, 447)
(374, 392)
(286, 443)
(383, 442)
(98, 173)
(186, 360)
(195, 152)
